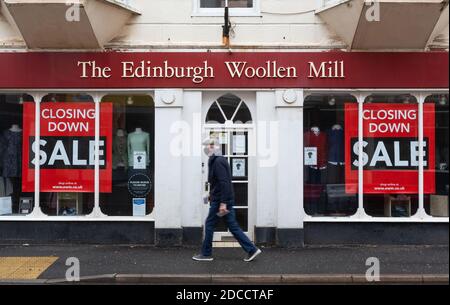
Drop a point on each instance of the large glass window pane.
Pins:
(131, 120)
(221, 3)
(436, 178)
(327, 189)
(16, 185)
(390, 155)
(67, 164)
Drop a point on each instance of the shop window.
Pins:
(131, 121)
(437, 199)
(66, 157)
(327, 191)
(228, 108)
(391, 155)
(221, 3)
(216, 7)
(15, 199)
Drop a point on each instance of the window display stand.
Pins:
(68, 204)
(392, 202)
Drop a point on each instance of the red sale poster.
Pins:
(390, 148)
(67, 144)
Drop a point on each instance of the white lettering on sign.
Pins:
(269, 70)
(145, 70)
(327, 69)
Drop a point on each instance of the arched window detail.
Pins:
(229, 108)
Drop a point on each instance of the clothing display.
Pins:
(12, 154)
(120, 151)
(335, 141)
(6, 187)
(318, 139)
(138, 141)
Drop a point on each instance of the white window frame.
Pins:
(96, 214)
(361, 216)
(197, 11)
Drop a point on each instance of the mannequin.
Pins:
(316, 138)
(138, 140)
(120, 153)
(316, 174)
(335, 168)
(15, 128)
(12, 160)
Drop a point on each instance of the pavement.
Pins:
(146, 264)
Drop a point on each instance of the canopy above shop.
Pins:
(386, 24)
(55, 24)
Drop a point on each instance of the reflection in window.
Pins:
(390, 155)
(436, 201)
(133, 143)
(326, 190)
(221, 3)
(67, 165)
(15, 199)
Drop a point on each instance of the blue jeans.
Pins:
(233, 226)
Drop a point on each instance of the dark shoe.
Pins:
(252, 256)
(202, 258)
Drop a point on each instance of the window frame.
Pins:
(197, 11)
(361, 215)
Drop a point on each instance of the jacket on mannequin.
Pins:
(120, 150)
(318, 139)
(336, 145)
(12, 152)
(138, 140)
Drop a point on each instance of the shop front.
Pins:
(324, 147)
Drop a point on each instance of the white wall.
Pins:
(266, 182)
(289, 171)
(191, 197)
(168, 167)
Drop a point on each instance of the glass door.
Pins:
(235, 148)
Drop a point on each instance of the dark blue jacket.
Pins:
(219, 177)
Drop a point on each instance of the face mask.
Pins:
(206, 150)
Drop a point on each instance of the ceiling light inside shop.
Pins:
(443, 100)
(332, 101)
(130, 101)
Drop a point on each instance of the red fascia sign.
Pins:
(151, 70)
(67, 143)
(390, 148)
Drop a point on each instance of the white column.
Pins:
(267, 159)
(96, 212)
(361, 212)
(191, 186)
(168, 163)
(421, 213)
(290, 212)
(37, 212)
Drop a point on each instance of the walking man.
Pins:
(221, 204)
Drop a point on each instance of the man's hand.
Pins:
(223, 210)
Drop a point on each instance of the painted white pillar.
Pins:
(421, 213)
(361, 212)
(96, 211)
(267, 159)
(191, 186)
(289, 176)
(168, 164)
(37, 212)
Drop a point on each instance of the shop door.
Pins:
(234, 134)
